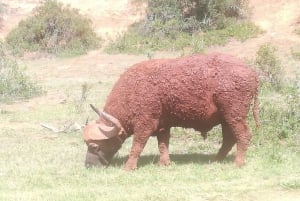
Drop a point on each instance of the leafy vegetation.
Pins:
(270, 66)
(174, 25)
(55, 29)
(14, 83)
(295, 53)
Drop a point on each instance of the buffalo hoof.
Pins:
(239, 163)
(129, 167)
(165, 162)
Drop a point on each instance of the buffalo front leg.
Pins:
(142, 132)
(228, 142)
(163, 139)
(138, 144)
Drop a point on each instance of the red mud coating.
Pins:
(200, 92)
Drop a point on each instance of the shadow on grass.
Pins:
(176, 158)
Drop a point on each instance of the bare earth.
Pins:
(277, 18)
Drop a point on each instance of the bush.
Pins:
(14, 84)
(133, 42)
(176, 24)
(55, 29)
(295, 53)
(164, 17)
(270, 66)
(279, 113)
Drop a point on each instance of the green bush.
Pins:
(166, 17)
(55, 29)
(14, 83)
(270, 66)
(279, 113)
(135, 43)
(295, 53)
(176, 24)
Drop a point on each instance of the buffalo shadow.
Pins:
(178, 159)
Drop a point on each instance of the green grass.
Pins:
(36, 164)
(135, 43)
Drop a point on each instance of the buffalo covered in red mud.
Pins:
(199, 92)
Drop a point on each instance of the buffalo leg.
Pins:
(138, 145)
(163, 147)
(228, 142)
(142, 132)
(243, 137)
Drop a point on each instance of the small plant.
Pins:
(270, 66)
(295, 53)
(55, 29)
(14, 84)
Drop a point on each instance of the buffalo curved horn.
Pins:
(95, 109)
(108, 131)
(112, 119)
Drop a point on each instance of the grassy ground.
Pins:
(37, 164)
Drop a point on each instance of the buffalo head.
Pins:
(102, 139)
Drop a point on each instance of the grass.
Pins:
(36, 164)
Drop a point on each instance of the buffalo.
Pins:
(151, 97)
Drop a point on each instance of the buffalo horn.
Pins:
(108, 131)
(112, 119)
(95, 109)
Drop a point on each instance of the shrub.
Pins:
(279, 113)
(164, 17)
(14, 84)
(295, 53)
(270, 66)
(133, 42)
(55, 29)
(176, 24)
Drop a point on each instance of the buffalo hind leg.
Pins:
(237, 132)
(243, 137)
(163, 139)
(227, 144)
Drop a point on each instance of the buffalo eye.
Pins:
(93, 147)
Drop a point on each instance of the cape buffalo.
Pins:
(199, 92)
